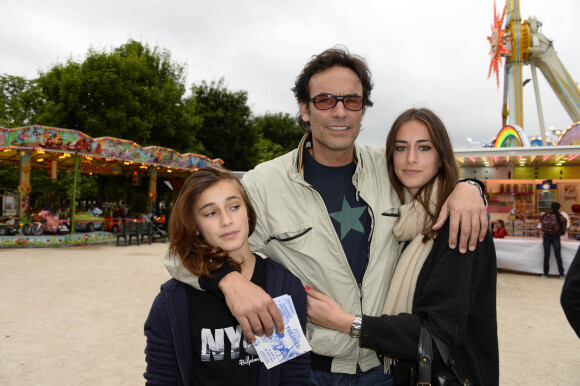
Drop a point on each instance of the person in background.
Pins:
(553, 225)
(192, 337)
(570, 297)
(95, 211)
(499, 231)
(453, 294)
(119, 212)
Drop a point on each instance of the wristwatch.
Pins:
(356, 326)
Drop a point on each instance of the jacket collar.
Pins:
(306, 143)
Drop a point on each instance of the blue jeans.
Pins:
(373, 377)
(555, 241)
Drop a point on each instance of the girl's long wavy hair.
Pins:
(185, 242)
(447, 174)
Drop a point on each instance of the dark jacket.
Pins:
(570, 298)
(169, 354)
(455, 296)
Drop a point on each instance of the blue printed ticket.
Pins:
(280, 348)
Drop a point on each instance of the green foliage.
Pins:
(9, 177)
(227, 131)
(18, 100)
(281, 129)
(267, 150)
(56, 193)
(139, 203)
(133, 92)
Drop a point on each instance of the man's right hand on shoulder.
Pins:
(254, 309)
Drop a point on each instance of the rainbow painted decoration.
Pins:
(511, 136)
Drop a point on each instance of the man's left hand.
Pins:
(467, 212)
(325, 312)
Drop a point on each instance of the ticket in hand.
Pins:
(280, 348)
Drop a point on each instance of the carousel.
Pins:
(61, 151)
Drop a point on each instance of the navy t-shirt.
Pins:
(222, 354)
(351, 218)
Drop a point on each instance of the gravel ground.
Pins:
(74, 316)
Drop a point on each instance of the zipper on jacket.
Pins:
(369, 241)
(359, 285)
(360, 299)
(360, 293)
(360, 290)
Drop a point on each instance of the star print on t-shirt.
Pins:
(348, 212)
(349, 218)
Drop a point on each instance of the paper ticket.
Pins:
(280, 348)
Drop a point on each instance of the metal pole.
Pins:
(152, 196)
(74, 199)
(539, 104)
(24, 185)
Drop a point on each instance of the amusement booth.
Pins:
(521, 184)
(524, 175)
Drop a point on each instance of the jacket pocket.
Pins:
(288, 236)
(391, 212)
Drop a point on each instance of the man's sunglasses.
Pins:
(327, 102)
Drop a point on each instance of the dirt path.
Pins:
(75, 316)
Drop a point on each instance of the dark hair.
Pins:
(332, 57)
(195, 253)
(500, 222)
(447, 173)
(556, 210)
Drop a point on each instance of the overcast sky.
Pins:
(422, 53)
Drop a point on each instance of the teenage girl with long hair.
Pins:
(192, 337)
(452, 293)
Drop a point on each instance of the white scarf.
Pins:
(409, 227)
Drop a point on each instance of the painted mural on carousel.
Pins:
(28, 241)
(73, 141)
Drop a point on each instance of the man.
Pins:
(326, 212)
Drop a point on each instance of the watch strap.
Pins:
(356, 327)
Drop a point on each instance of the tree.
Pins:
(227, 131)
(18, 100)
(9, 177)
(133, 92)
(281, 129)
(267, 150)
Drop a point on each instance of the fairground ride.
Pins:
(521, 43)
